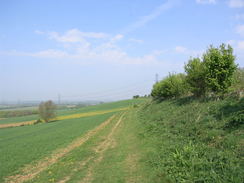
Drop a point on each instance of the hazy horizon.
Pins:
(107, 50)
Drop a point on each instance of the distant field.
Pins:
(23, 145)
(61, 112)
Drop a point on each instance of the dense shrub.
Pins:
(220, 66)
(196, 77)
(172, 86)
(47, 110)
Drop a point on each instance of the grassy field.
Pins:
(62, 112)
(181, 140)
(20, 146)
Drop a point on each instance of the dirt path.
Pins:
(99, 150)
(30, 171)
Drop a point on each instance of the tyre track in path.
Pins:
(97, 158)
(30, 171)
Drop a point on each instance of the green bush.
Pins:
(220, 66)
(172, 86)
(47, 110)
(196, 77)
(236, 120)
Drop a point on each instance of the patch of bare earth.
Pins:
(30, 171)
(132, 165)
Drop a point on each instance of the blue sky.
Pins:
(107, 50)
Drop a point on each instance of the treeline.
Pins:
(215, 74)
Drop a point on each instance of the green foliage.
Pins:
(187, 141)
(236, 120)
(196, 77)
(136, 96)
(172, 86)
(47, 110)
(220, 66)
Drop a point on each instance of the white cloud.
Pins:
(206, 1)
(240, 30)
(86, 51)
(236, 3)
(74, 36)
(117, 37)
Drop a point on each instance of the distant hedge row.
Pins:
(215, 74)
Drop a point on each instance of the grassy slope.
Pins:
(22, 145)
(120, 162)
(187, 140)
(105, 106)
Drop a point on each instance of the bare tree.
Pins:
(47, 110)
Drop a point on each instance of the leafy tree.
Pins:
(172, 86)
(219, 65)
(196, 77)
(47, 110)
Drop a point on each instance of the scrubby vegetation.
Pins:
(193, 141)
(192, 136)
(47, 110)
(213, 75)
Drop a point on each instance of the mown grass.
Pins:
(194, 141)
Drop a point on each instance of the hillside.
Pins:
(194, 141)
(183, 140)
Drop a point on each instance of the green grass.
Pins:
(182, 140)
(22, 145)
(105, 106)
(115, 165)
(192, 141)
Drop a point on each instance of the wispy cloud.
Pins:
(85, 51)
(206, 1)
(236, 3)
(151, 16)
(74, 35)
